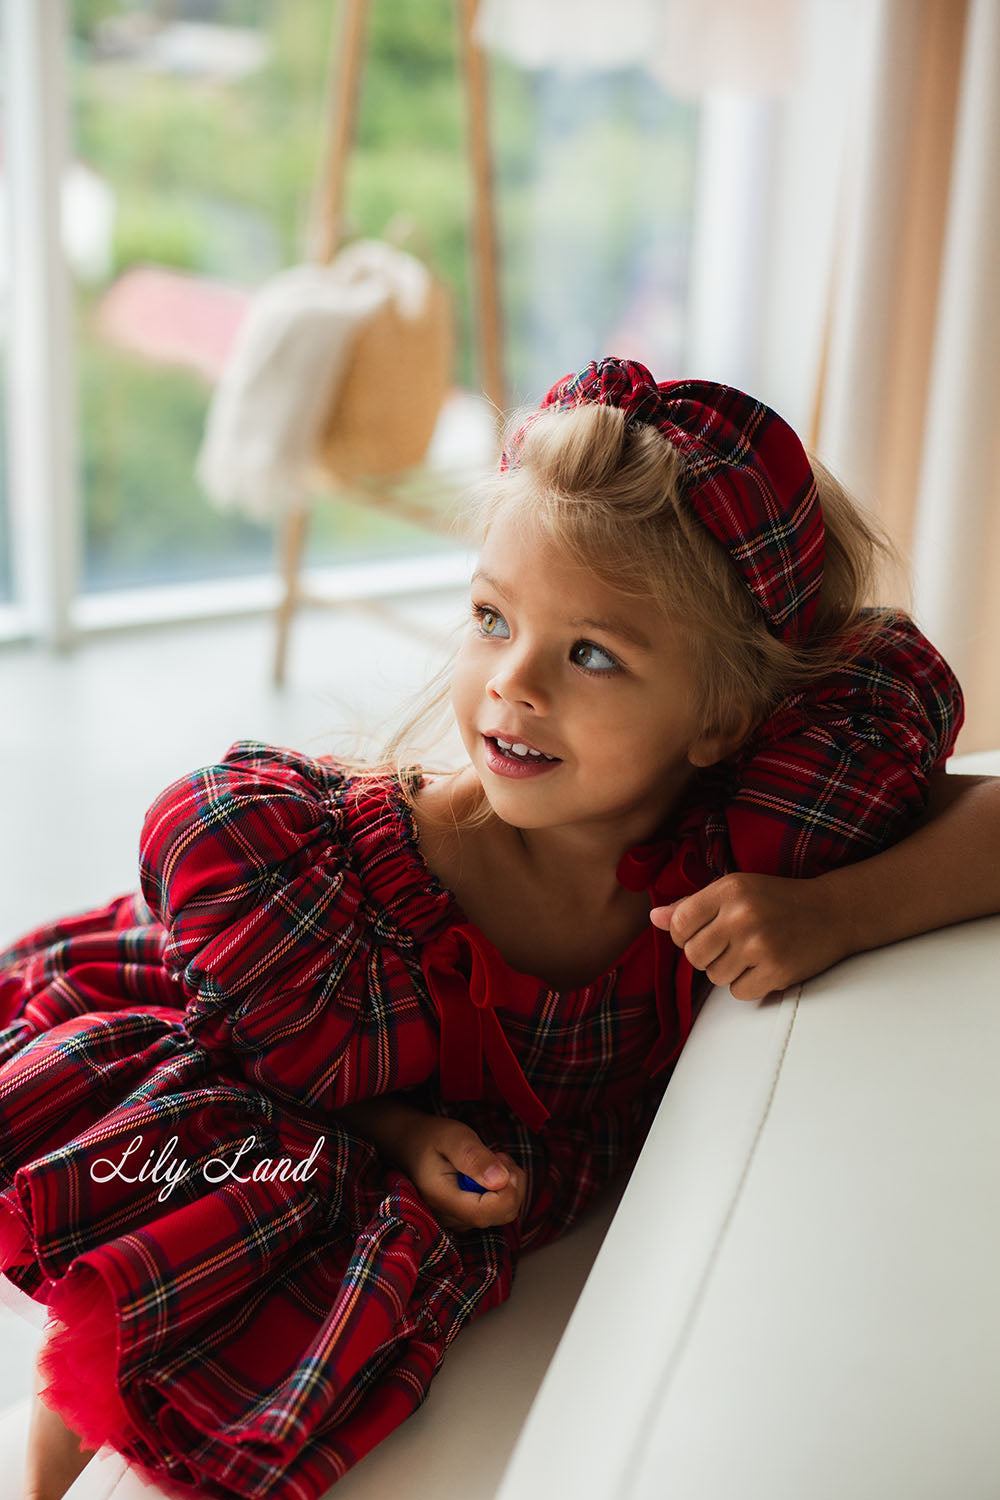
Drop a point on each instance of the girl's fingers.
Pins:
(461, 1209)
(682, 919)
(480, 1163)
(703, 939)
(708, 949)
(746, 986)
(503, 1206)
(691, 914)
(754, 984)
(727, 968)
(483, 1211)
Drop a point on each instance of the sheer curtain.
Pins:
(957, 547)
(911, 399)
(845, 254)
(878, 320)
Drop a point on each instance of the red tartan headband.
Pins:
(745, 474)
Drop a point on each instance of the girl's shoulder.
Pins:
(438, 807)
(842, 766)
(267, 819)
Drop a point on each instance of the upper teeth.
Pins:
(513, 749)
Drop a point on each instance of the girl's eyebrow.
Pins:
(494, 583)
(612, 624)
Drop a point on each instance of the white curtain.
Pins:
(846, 254)
(911, 410)
(957, 544)
(688, 45)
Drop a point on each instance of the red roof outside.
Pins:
(172, 317)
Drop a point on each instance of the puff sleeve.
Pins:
(283, 961)
(840, 769)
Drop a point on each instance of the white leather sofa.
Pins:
(797, 1297)
(800, 1293)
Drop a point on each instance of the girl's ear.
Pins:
(717, 744)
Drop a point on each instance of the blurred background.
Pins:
(799, 197)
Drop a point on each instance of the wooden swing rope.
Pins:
(340, 109)
(473, 66)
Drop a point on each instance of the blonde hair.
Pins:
(611, 494)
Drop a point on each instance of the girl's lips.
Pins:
(514, 739)
(515, 766)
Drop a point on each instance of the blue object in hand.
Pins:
(468, 1185)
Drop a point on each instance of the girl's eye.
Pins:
(491, 622)
(585, 654)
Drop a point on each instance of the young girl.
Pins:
(234, 1108)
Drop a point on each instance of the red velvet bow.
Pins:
(667, 877)
(459, 967)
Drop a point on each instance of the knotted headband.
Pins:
(745, 474)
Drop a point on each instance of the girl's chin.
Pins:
(524, 820)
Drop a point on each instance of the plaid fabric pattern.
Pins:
(835, 774)
(841, 770)
(258, 1337)
(746, 476)
(291, 952)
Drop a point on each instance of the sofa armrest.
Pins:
(797, 1295)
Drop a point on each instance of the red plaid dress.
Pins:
(237, 1331)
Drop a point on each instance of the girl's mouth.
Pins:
(507, 762)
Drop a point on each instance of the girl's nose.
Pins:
(522, 682)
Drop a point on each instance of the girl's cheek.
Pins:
(464, 694)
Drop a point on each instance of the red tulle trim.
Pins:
(78, 1362)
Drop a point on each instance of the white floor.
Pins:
(86, 741)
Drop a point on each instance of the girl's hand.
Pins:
(432, 1150)
(437, 1150)
(756, 933)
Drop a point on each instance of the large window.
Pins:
(6, 561)
(196, 138)
(196, 132)
(6, 566)
(597, 187)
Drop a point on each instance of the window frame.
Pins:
(41, 391)
(44, 482)
(46, 501)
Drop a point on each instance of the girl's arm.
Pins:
(759, 934)
(947, 870)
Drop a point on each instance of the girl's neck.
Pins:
(547, 899)
(580, 858)
(575, 864)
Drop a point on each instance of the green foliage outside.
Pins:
(144, 508)
(6, 570)
(216, 178)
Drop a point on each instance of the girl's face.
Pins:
(556, 661)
